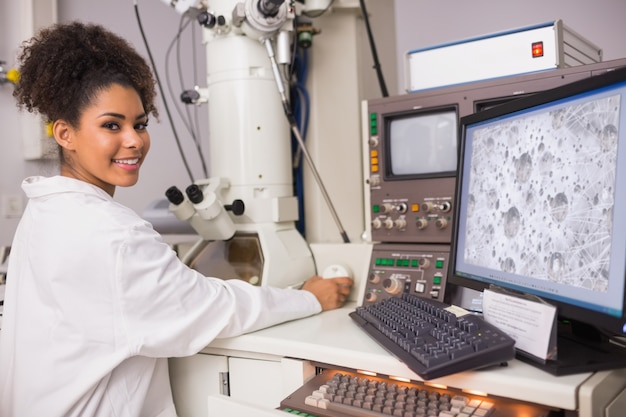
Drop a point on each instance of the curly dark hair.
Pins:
(65, 66)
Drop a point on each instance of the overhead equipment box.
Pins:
(530, 49)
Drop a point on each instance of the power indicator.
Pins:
(537, 48)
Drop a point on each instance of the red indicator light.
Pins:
(537, 49)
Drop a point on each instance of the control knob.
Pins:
(374, 278)
(370, 296)
(376, 223)
(421, 223)
(441, 223)
(400, 223)
(386, 208)
(427, 207)
(388, 223)
(393, 285)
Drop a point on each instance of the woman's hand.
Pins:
(330, 292)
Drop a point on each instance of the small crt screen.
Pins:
(421, 144)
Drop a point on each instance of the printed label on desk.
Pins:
(531, 323)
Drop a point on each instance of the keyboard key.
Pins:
(311, 400)
(459, 401)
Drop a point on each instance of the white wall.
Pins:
(12, 166)
(424, 23)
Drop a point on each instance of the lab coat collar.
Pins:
(38, 186)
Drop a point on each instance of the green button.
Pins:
(378, 261)
(374, 131)
(415, 263)
(437, 280)
(376, 208)
(373, 116)
(439, 263)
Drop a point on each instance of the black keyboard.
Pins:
(432, 340)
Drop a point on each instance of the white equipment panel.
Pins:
(530, 49)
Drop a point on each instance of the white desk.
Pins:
(332, 338)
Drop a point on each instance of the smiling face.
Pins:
(109, 144)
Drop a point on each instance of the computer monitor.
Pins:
(540, 209)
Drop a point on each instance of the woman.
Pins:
(95, 301)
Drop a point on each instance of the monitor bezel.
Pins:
(613, 324)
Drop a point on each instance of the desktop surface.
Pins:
(332, 338)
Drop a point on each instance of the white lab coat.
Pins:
(95, 302)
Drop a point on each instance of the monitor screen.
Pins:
(541, 192)
(422, 143)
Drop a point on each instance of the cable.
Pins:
(296, 133)
(189, 124)
(379, 72)
(300, 100)
(158, 81)
(300, 108)
(195, 133)
(303, 111)
(186, 123)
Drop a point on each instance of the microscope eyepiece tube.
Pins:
(174, 195)
(183, 210)
(194, 193)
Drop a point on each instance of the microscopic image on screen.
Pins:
(541, 194)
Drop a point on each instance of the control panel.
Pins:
(421, 213)
(406, 268)
(412, 156)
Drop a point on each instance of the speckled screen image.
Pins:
(541, 194)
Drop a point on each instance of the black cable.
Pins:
(379, 72)
(170, 89)
(158, 81)
(195, 134)
(294, 50)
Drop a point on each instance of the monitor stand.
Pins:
(581, 348)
